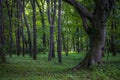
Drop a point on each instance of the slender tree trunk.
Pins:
(23, 43)
(53, 16)
(34, 32)
(53, 50)
(81, 44)
(73, 46)
(28, 30)
(10, 23)
(112, 39)
(77, 40)
(23, 38)
(41, 10)
(59, 50)
(20, 4)
(43, 26)
(51, 42)
(26, 44)
(51, 20)
(18, 31)
(2, 40)
(112, 36)
(63, 42)
(67, 45)
(67, 48)
(107, 45)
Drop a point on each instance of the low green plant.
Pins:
(24, 68)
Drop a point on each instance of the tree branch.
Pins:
(81, 9)
(84, 23)
(48, 11)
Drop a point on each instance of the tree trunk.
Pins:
(34, 32)
(2, 40)
(23, 37)
(28, 30)
(10, 23)
(41, 10)
(51, 20)
(77, 40)
(18, 31)
(51, 42)
(96, 45)
(53, 50)
(59, 49)
(112, 36)
(67, 48)
(63, 42)
(67, 44)
(73, 45)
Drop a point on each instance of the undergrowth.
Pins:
(24, 68)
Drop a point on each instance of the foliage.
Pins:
(24, 68)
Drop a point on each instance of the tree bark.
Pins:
(34, 32)
(28, 30)
(51, 20)
(18, 31)
(10, 23)
(2, 40)
(59, 50)
(23, 37)
(112, 36)
(77, 40)
(51, 42)
(96, 45)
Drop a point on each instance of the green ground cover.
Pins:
(24, 68)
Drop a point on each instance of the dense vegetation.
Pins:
(59, 39)
(24, 68)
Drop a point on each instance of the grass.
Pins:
(24, 68)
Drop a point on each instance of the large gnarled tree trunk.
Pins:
(96, 32)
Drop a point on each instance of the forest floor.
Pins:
(24, 68)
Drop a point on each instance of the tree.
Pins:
(41, 10)
(22, 30)
(96, 32)
(59, 50)
(10, 24)
(112, 35)
(2, 40)
(34, 31)
(28, 29)
(51, 20)
(18, 46)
